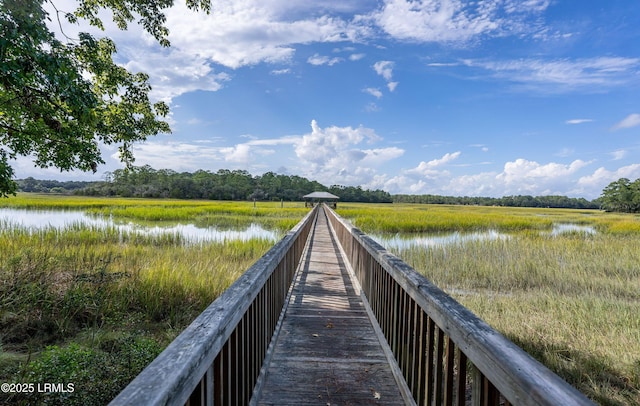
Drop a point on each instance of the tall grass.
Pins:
(421, 218)
(106, 300)
(80, 278)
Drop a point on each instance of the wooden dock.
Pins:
(327, 351)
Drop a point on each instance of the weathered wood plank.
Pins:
(327, 352)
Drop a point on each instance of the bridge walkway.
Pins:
(327, 351)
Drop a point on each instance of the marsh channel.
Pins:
(35, 220)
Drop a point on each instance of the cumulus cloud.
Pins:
(333, 154)
(632, 120)
(427, 177)
(594, 183)
(238, 153)
(520, 176)
(521, 170)
(329, 144)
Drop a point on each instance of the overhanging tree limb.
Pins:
(58, 100)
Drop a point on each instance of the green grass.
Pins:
(93, 306)
(571, 300)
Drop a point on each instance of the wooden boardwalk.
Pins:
(327, 352)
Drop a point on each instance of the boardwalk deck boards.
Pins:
(327, 352)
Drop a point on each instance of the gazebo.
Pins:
(312, 199)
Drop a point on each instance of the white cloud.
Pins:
(377, 156)
(442, 64)
(333, 155)
(594, 184)
(564, 74)
(482, 147)
(385, 69)
(520, 176)
(373, 92)
(619, 154)
(427, 177)
(239, 33)
(456, 20)
(428, 168)
(180, 156)
(578, 121)
(371, 107)
(280, 71)
(565, 152)
(632, 120)
(323, 145)
(323, 60)
(246, 32)
(174, 72)
(522, 169)
(240, 153)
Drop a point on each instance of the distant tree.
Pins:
(621, 195)
(60, 100)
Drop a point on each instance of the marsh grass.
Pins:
(85, 300)
(571, 300)
(408, 218)
(273, 215)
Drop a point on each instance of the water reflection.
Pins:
(403, 241)
(436, 240)
(60, 219)
(572, 228)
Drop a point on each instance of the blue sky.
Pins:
(450, 97)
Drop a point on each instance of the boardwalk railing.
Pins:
(217, 358)
(447, 355)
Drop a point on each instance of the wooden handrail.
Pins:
(218, 357)
(445, 352)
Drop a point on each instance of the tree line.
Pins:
(510, 201)
(144, 181)
(622, 195)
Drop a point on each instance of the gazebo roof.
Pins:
(320, 195)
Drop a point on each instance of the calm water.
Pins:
(59, 219)
(433, 240)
